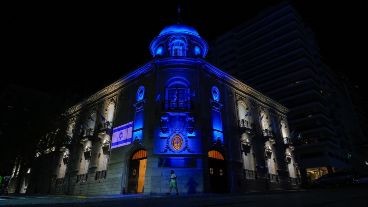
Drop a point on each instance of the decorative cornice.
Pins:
(237, 84)
(111, 88)
(184, 62)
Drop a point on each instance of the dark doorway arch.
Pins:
(137, 171)
(217, 172)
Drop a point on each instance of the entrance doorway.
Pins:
(217, 172)
(137, 171)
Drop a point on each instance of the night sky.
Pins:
(65, 49)
(72, 50)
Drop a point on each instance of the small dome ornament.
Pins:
(140, 93)
(197, 51)
(159, 51)
(215, 93)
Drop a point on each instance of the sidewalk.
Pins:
(43, 200)
(340, 197)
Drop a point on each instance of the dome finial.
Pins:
(179, 14)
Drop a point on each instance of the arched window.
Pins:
(215, 155)
(289, 158)
(244, 115)
(270, 156)
(140, 154)
(90, 124)
(110, 112)
(265, 122)
(70, 129)
(284, 130)
(177, 95)
(178, 48)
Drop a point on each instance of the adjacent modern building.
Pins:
(276, 53)
(177, 112)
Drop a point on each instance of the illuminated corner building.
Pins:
(177, 112)
(277, 54)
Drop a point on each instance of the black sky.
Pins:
(71, 50)
(78, 48)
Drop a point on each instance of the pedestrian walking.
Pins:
(173, 182)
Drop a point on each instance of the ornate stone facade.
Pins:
(176, 112)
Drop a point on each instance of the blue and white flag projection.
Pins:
(122, 135)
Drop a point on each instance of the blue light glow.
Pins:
(216, 120)
(140, 93)
(138, 125)
(139, 115)
(217, 135)
(185, 33)
(138, 121)
(216, 123)
(178, 47)
(215, 94)
(197, 50)
(173, 124)
(164, 134)
(138, 134)
(191, 134)
(177, 162)
(179, 28)
(177, 81)
(159, 51)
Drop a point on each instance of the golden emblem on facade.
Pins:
(177, 142)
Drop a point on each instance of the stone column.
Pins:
(282, 171)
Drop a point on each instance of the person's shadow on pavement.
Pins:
(192, 186)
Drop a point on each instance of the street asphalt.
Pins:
(307, 198)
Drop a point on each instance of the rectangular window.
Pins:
(177, 98)
(178, 51)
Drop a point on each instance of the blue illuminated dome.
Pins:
(179, 28)
(178, 41)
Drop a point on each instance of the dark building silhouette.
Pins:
(26, 115)
(277, 54)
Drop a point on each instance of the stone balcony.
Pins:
(245, 126)
(268, 134)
